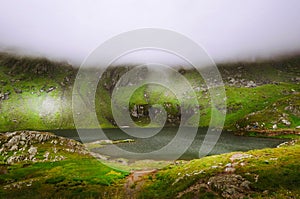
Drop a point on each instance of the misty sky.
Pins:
(227, 29)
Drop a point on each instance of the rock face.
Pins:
(28, 146)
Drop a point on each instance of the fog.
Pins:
(228, 30)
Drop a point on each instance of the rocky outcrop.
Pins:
(34, 146)
(230, 185)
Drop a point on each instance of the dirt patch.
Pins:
(136, 180)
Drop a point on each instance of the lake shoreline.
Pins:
(268, 133)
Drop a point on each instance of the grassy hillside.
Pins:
(42, 165)
(267, 173)
(36, 93)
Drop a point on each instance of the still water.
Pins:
(227, 142)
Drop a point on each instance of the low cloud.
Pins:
(228, 30)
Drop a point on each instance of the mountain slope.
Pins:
(36, 93)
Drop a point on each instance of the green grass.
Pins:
(82, 177)
(29, 111)
(274, 111)
(77, 175)
(277, 170)
(255, 99)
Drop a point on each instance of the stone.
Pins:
(52, 88)
(13, 141)
(32, 150)
(46, 155)
(250, 84)
(228, 165)
(286, 122)
(23, 137)
(14, 148)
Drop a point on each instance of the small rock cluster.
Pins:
(241, 83)
(230, 185)
(288, 143)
